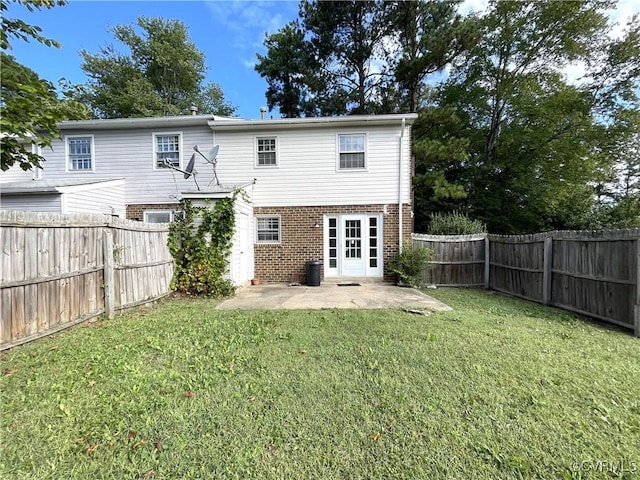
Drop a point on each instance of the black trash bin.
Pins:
(313, 273)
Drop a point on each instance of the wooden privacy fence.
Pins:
(60, 270)
(594, 273)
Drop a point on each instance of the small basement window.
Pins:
(268, 229)
(158, 216)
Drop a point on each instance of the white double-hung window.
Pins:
(268, 229)
(80, 153)
(167, 149)
(352, 151)
(267, 153)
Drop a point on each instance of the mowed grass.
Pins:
(496, 389)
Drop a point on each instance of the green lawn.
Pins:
(498, 388)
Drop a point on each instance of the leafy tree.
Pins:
(29, 106)
(161, 75)
(288, 66)
(532, 137)
(432, 35)
(353, 57)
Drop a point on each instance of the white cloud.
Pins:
(251, 20)
(250, 64)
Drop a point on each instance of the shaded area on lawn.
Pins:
(496, 388)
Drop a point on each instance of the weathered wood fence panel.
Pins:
(593, 273)
(458, 259)
(55, 271)
(516, 265)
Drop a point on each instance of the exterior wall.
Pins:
(16, 174)
(108, 200)
(33, 203)
(136, 211)
(307, 166)
(128, 154)
(301, 241)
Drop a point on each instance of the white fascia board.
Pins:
(314, 122)
(91, 186)
(130, 123)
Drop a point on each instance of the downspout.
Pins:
(401, 165)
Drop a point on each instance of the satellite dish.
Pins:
(210, 158)
(213, 153)
(189, 170)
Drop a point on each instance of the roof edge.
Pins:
(314, 122)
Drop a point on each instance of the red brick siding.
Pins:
(301, 240)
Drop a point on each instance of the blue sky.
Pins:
(229, 33)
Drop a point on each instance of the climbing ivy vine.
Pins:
(200, 241)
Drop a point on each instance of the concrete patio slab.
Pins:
(282, 296)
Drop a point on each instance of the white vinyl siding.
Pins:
(167, 148)
(306, 172)
(352, 151)
(33, 203)
(158, 216)
(268, 229)
(80, 153)
(266, 151)
(307, 168)
(129, 154)
(106, 198)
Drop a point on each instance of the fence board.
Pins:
(457, 260)
(53, 270)
(594, 273)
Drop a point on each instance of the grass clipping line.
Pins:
(496, 388)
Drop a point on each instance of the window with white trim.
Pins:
(267, 151)
(80, 153)
(351, 151)
(167, 149)
(268, 229)
(158, 216)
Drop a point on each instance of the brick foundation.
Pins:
(301, 240)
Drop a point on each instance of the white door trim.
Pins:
(338, 260)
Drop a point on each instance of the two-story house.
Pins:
(336, 189)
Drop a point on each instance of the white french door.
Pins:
(353, 245)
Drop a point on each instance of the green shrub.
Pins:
(455, 223)
(411, 264)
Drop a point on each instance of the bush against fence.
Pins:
(595, 273)
(59, 270)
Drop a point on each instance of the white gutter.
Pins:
(400, 186)
(311, 122)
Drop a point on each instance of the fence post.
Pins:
(109, 288)
(487, 263)
(546, 269)
(636, 316)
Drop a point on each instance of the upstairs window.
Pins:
(167, 149)
(268, 229)
(267, 152)
(352, 152)
(80, 153)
